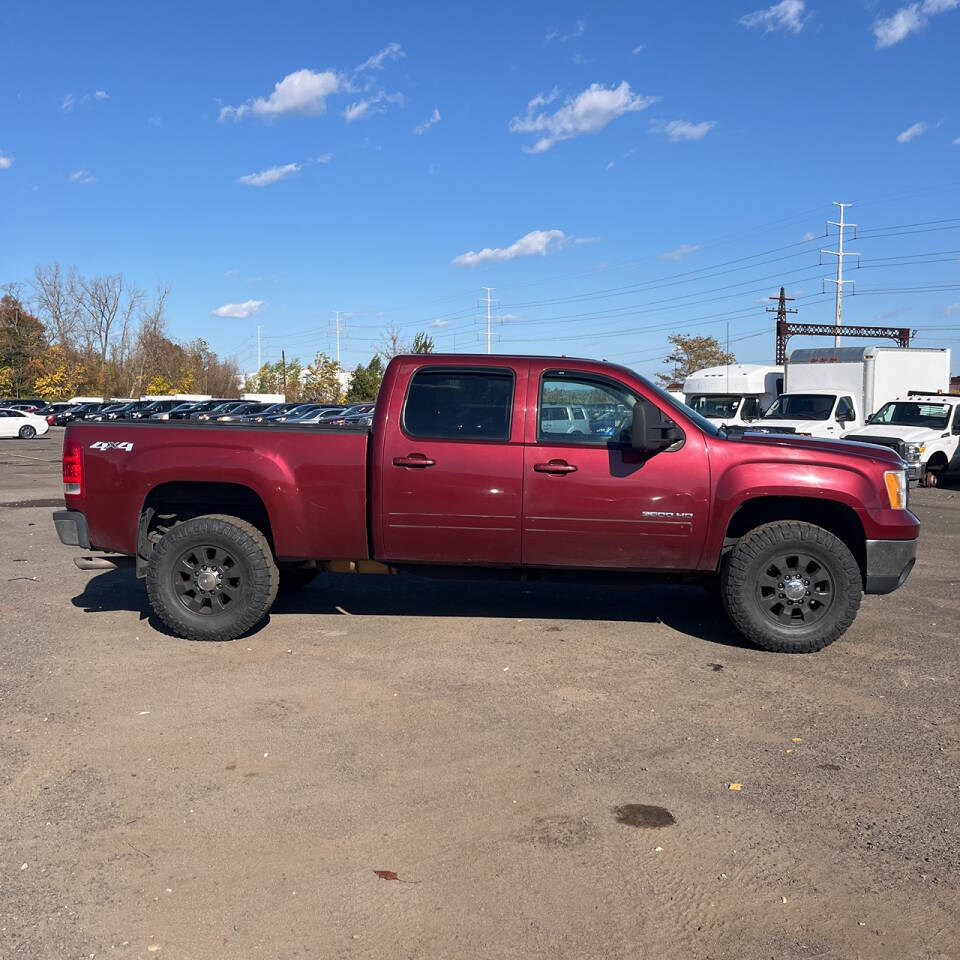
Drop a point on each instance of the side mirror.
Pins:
(650, 437)
(846, 417)
(869, 418)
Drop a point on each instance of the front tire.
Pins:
(27, 432)
(791, 587)
(212, 578)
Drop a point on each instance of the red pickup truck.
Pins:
(531, 466)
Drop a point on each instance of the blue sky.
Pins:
(617, 172)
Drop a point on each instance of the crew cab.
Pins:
(461, 475)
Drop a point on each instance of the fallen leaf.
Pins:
(797, 739)
(386, 874)
(736, 786)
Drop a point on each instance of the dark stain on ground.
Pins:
(715, 667)
(828, 766)
(23, 504)
(231, 766)
(251, 774)
(644, 815)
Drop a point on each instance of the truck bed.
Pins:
(312, 481)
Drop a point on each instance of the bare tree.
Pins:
(57, 295)
(152, 341)
(392, 343)
(106, 304)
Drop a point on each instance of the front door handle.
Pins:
(414, 460)
(555, 466)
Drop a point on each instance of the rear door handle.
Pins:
(414, 460)
(555, 466)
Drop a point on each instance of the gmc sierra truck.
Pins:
(461, 473)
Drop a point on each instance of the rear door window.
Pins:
(459, 404)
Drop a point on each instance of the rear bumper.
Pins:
(72, 528)
(889, 563)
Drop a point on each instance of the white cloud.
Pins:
(809, 235)
(369, 105)
(578, 30)
(684, 250)
(82, 176)
(639, 48)
(392, 51)
(101, 95)
(422, 128)
(155, 121)
(68, 103)
(786, 15)
(956, 142)
(912, 132)
(303, 91)
(264, 178)
(611, 164)
(909, 19)
(239, 311)
(950, 309)
(536, 242)
(323, 158)
(588, 112)
(677, 130)
(5, 162)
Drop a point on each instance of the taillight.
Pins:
(73, 468)
(50, 420)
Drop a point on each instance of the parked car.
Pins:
(351, 412)
(299, 410)
(275, 410)
(321, 415)
(109, 411)
(76, 412)
(211, 413)
(148, 409)
(459, 473)
(239, 413)
(565, 418)
(20, 423)
(185, 410)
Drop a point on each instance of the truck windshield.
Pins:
(714, 406)
(801, 406)
(901, 413)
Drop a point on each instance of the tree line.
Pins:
(63, 334)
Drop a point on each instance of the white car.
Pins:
(564, 418)
(17, 423)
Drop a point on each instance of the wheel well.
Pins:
(172, 503)
(937, 461)
(842, 521)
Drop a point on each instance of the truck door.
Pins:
(450, 490)
(591, 500)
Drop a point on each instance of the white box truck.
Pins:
(735, 394)
(831, 392)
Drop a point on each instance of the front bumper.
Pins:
(889, 563)
(914, 471)
(72, 528)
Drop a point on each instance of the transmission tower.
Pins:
(489, 304)
(840, 253)
(781, 310)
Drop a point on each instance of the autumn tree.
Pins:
(22, 342)
(690, 354)
(322, 380)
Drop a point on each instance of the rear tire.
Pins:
(27, 432)
(791, 587)
(212, 578)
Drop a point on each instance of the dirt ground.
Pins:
(160, 798)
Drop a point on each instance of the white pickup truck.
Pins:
(924, 429)
(733, 395)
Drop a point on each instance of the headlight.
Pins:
(913, 451)
(896, 483)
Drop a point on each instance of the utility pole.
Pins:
(338, 337)
(840, 253)
(781, 310)
(489, 302)
(258, 347)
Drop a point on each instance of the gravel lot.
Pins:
(163, 798)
